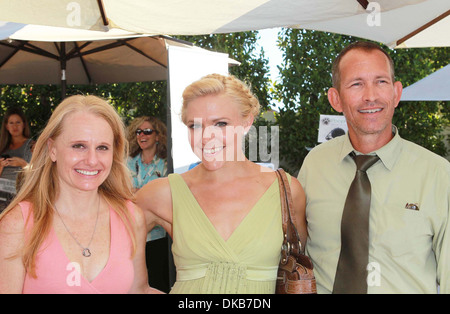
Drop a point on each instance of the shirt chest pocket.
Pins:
(402, 232)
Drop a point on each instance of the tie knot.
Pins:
(364, 162)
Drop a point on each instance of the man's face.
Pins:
(367, 95)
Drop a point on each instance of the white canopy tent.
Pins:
(434, 87)
(403, 23)
(418, 24)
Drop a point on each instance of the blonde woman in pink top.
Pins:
(72, 227)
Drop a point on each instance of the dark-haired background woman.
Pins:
(15, 149)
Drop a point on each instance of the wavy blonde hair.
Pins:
(215, 84)
(41, 184)
(158, 126)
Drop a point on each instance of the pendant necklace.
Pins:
(85, 250)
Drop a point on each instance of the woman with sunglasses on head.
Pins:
(148, 150)
(147, 161)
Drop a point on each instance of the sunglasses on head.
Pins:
(145, 131)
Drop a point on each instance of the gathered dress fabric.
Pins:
(247, 262)
(57, 275)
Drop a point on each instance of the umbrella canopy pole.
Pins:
(101, 7)
(63, 83)
(364, 3)
(63, 70)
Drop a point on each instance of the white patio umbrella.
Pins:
(434, 87)
(391, 22)
(52, 55)
(418, 24)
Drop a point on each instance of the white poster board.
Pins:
(8, 186)
(185, 67)
(331, 126)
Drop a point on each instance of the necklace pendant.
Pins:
(86, 252)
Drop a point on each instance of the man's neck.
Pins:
(367, 143)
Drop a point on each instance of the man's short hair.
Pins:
(363, 45)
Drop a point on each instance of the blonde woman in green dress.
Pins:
(224, 216)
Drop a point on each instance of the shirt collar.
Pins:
(347, 148)
(388, 154)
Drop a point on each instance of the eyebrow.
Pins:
(212, 120)
(360, 78)
(87, 142)
(220, 119)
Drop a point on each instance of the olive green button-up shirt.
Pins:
(409, 248)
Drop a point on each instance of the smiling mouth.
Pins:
(370, 110)
(212, 150)
(87, 173)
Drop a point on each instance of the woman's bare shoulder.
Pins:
(12, 221)
(154, 194)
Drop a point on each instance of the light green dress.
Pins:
(246, 263)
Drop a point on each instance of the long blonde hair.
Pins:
(41, 186)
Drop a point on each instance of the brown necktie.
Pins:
(351, 274)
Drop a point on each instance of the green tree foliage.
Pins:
(306, 77)
(130, 99)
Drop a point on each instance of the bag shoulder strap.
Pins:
(284, 206)
(291, 242)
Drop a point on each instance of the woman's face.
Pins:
(216, 128)
(15, 125)
(146, 141)
(83, 152)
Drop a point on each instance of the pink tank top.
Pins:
(57, 275)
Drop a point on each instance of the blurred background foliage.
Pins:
(301, 90)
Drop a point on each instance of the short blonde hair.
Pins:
(41, 185)
(215, 84)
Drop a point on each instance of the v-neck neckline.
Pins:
(111, 239)
(242, 222)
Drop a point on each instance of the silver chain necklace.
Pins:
(85, 250)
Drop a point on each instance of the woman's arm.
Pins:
(2, 164)
(140, 283)
(155, 199)
(12, 270)
(299, 212)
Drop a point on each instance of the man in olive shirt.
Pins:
(409, 228)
